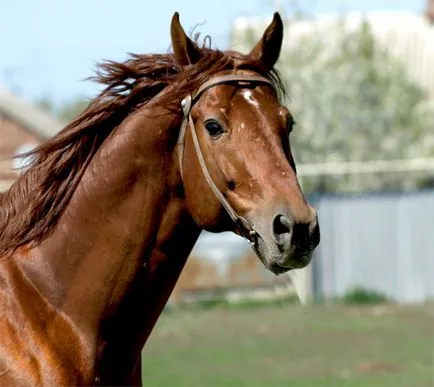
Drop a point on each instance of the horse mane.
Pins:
(30, 209)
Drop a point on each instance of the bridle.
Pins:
(243, 227)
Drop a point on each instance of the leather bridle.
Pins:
(243, 227)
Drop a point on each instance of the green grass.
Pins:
(289, 345)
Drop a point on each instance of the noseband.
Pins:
(244, 228)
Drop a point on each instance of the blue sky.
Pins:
(49, 46)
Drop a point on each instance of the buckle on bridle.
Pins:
(246, 230)
(186, 105)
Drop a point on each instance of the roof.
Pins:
(30, 117)
(404, 35)
(4, 185)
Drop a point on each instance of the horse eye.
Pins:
(213, 128)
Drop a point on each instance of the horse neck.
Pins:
(122, 223)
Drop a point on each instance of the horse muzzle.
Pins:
(286, 244)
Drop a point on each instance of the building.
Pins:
(22, 127)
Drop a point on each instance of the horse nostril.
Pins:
(281, 225)
(282, 230)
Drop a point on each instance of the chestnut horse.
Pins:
(96, 232)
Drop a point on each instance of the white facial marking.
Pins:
(248, 96)
(223, 112)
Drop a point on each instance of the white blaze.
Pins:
(248, 96)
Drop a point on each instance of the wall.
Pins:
(380, 242)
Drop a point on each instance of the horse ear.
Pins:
(267, 50)
(185, 50)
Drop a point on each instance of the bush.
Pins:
(223, 303)
(363, 296)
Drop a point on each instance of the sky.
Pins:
(49, 47)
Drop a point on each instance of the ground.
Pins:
(290, 345)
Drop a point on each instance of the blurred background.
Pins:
(360, 81)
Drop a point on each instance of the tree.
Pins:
(72, 109)
(352, 101)
(65, 112)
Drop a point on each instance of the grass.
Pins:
(338, 345)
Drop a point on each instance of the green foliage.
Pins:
(46, 104)
(71, 110)
(352, 102)
(223, 303)
(363, 296)
(65, 112)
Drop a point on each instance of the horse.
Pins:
(95, 233)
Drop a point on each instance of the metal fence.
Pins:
(383, 243)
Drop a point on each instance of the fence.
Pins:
(379, 242)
